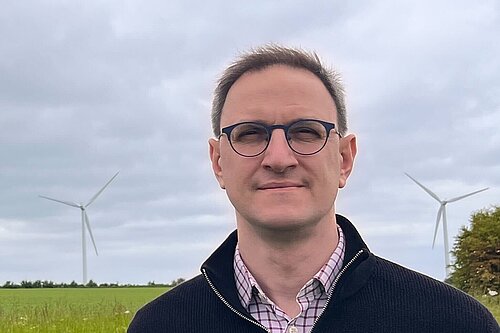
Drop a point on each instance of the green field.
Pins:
(93, 310)
(71, 310)
(492, 303)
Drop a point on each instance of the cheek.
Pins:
(236, 170)
(327, 176)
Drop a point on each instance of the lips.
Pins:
(279, 185)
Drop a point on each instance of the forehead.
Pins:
(278, 94)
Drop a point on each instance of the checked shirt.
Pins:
(311, 298)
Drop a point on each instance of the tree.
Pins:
(10, 285)
(26, 284)
(477, 253)
(177, 282)
(91, 284)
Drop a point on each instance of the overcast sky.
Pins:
(92, 87)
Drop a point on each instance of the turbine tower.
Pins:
(85, 223)
(442, 213)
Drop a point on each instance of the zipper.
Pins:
(229, 305)
(334, 285)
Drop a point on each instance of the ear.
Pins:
(348, 150)
(214, 151)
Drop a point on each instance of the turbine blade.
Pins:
(100, 191)
(440, 212)
(72, 204)
(467, 195)
(432, 194)
(87, 222)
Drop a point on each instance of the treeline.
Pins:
(91, 284)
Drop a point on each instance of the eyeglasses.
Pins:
(304, 136)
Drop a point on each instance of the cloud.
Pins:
(89, 89)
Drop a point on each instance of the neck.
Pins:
(283, 261)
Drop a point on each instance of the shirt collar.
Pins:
(246, 283)
(244, 279)
(327, 274)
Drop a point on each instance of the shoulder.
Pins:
(194, 287)
(435, 302)
(171, 307)
(400, 278)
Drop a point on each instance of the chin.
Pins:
(281, 222)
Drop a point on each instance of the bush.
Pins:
(477, 253)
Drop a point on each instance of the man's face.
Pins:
(280, 189)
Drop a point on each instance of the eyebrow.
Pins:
(261, 121)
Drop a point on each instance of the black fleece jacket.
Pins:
(371, 295)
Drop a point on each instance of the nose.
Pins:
(278, 156)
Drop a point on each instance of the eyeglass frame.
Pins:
(270, 128)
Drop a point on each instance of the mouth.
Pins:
(280, 186)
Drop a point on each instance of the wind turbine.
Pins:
(85, 222)
(442, 213)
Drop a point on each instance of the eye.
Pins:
(248, 133)
(307, 131)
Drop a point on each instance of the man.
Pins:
(293, 265)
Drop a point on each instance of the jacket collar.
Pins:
(220, 270)
(354, 242)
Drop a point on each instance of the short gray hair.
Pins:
(272, 54)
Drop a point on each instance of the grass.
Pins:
(71, 310)
(91, 310)
(492, 303)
